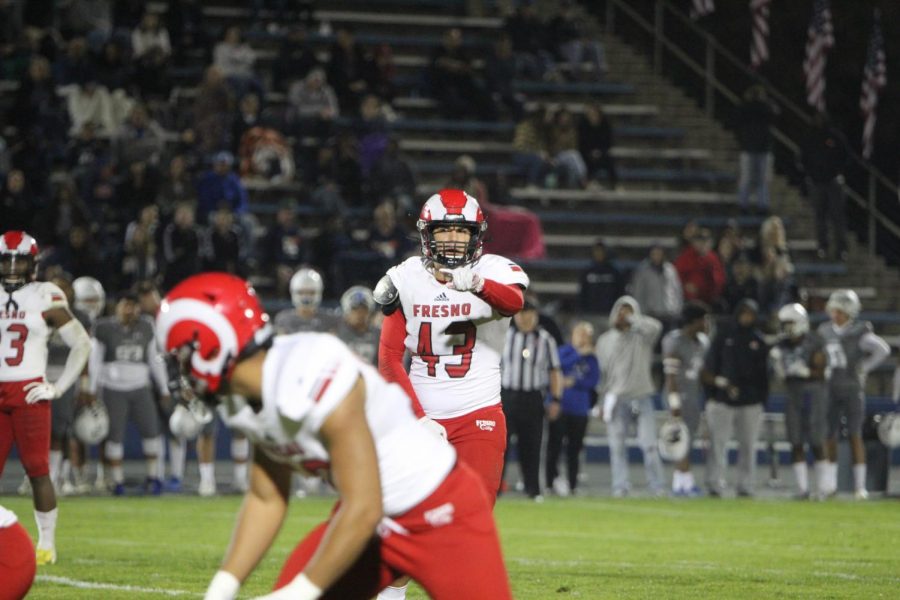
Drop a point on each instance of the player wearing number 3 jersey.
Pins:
(450, 308)
(29, 313)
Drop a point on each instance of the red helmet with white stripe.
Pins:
(18, 259)
(446, 209)
(205, 325)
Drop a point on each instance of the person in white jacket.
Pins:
(625, 354)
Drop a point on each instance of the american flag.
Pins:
(759, 47)
(701, 8)
(820, 38)
(874, 78)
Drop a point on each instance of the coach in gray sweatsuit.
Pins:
(625, 354)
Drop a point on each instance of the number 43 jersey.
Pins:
(455, 338)
(24, 332)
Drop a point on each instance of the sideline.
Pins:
(91, 585)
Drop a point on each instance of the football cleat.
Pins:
(45, 556)
(861, 494)
(118, 489)
(153, 486)
(207, 489)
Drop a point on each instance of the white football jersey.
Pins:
(305, 377)
(455, 338)
(23, 331)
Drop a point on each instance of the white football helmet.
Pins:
(794, 320)
(90, 297)
(358, 295)
(845, 301)
(92, 423)
(187, 421)
(452, 208)
(889, 430)
(18, 260)
(674, 440)
(306, 288)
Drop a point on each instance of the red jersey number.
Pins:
(17, 344)
(426, 351)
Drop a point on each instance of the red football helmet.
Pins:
(206, 324)
(18, 260)
(452, 208)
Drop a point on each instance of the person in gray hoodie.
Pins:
(656, 287)
(625, 354)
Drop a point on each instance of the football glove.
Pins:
(464, 279)
(434, 427)
(40, 390)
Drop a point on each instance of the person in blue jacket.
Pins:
(581, 374)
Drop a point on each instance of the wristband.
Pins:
(224, 586)
(674, 400)
(302, 588)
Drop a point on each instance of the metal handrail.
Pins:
(715, 49)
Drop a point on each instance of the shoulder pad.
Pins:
(387, 295)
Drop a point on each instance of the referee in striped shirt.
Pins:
(530, 366)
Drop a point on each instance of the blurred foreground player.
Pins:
(406, 507)
(29, 313)
(17, 565)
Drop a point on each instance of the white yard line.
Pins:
(93, 585)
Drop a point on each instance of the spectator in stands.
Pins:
(530, 370)
(186, 27)
(235, 57)
(601, 284)
(75, 65)
(223, 243)
(140, 138)
(83, 17)
(657, 288)
(347, 70)
(500, 75)
(139, 263)
(65, 211)
(575, 45)
(737, 368)
(530, 43)
(181, 245)
(381, 72)
(285, 247)
(464, 178)
(530, 147)
(91, 101)
(595, 139)
(151, 75)
(247, 116)
(36, 103)
(741, 283)
(387, 238)
(372, 131)
(80, 257)
(453, 81)
(729, 245)
(112, 69)
(176, 186)
(17, 204)
(150, 35)
(625, 353)
(136, 190)
(220, 186)
(313, 105)
(581, 374)
(212, 111)
(825, 156)
(755, 116)
(564, 148)
(296, 58)
(393, 178)
(702, 275)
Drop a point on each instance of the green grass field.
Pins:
(576, 548)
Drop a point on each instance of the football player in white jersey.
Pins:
(450, 308)
(29, 313)
(406, 506)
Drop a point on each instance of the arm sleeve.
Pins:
(552, 352)
(95, 365)
(390, 357)
(157, 368)
(877, 350)
(79, 343)
(648, 327)
(506, 299)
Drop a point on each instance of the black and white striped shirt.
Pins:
(528, 359)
